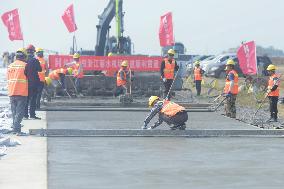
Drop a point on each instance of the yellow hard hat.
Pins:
(152, 99)
(23, 50)
(39, 50)
(271, 67)
(48, 80)
(171, 51)
(110, 54)
(70, 70)
(76, 55)
(124, 63)
(230, 62)
(197, 62)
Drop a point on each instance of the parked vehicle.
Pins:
(214, 67)
(217, 69)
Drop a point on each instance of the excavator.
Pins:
(116, 44)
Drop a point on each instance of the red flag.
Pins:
(247, 58)
(166, 33)
(11, 20)
(69, 19)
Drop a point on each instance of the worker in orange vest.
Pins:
(170, 112)
(273, 92)
(167, 70)
(231, 89)
(122, 79)
(198, 72)
(18, 88)
(41, 75)
(58, 78)
(78, 72)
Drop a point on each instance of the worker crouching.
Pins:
(169, 112)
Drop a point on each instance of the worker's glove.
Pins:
(144, 126)
(228, 95)
(164, 80)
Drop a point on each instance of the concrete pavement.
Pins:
(25, 166)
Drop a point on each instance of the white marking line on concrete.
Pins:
(25, 166)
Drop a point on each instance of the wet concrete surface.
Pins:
(134, 120)
(150, 162)
(165, 163)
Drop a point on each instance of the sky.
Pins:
(203, 26)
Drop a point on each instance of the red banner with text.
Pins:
(136, 63)
(247, 58)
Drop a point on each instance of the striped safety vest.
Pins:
(17, 80)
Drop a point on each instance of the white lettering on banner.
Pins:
(132, 63)
(102, 64)
(156, 64)
(137, 64)
(84, 63)
(150, 64)
(57, 63)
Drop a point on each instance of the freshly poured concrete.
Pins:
(166, 163)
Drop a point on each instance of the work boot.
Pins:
(271, 119)
(22, 134)
(175, 127)
(25, 117)
(182, 127)
(35, 117)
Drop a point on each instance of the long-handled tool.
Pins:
(220, 103)
(73, 84)
(167, 97)
(65, 90)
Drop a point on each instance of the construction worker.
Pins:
(43, 64)
(198, 72)
(170, 112)
(58, 78)
(273, 92)
(18, 88)
(168, 67)
(231, 89)
(78, 72)
(122, 79)
(33, 67)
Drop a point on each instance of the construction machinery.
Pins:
(116, 44)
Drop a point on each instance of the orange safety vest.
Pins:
(170, 108)
(62, 71)
(197, 74)
(119, 81)
(169, 69)
(54, 75)
(17, 80)
(271, 84)
(235, 89)
(41, 74)
(76, 69)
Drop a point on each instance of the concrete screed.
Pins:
(150, 162)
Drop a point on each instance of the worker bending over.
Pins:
(170, 112)
(273, 92)
(167, 70)
(231, 89)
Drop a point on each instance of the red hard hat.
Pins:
(31, 47)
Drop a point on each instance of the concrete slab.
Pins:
(134, 120)
(25, 166)
(165, 163)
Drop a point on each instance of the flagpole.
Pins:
(21, 28)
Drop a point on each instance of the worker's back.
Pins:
(33, 67)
